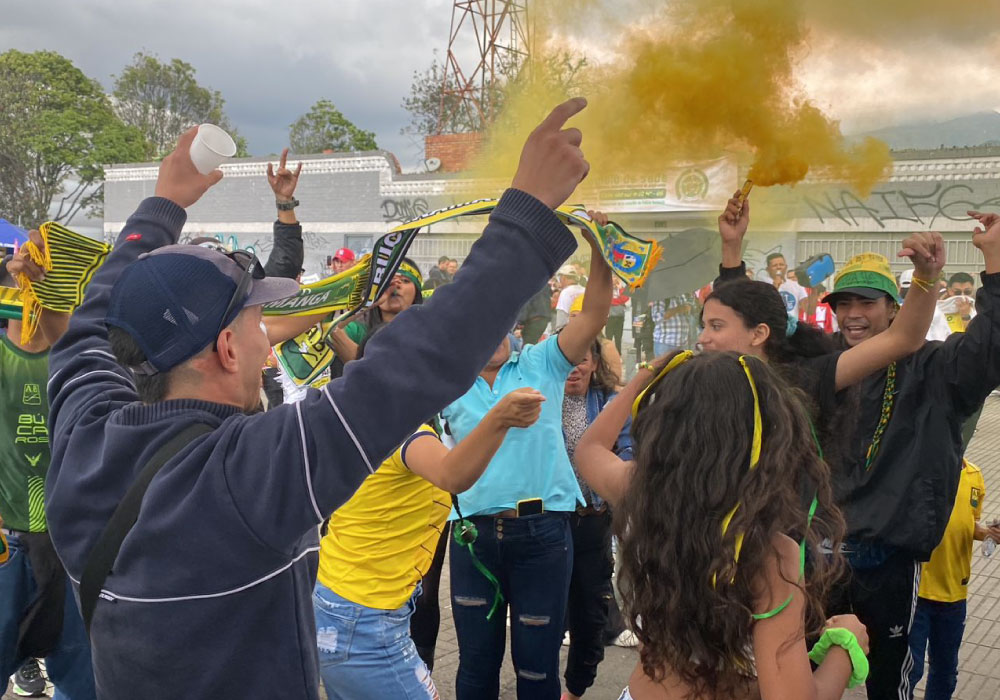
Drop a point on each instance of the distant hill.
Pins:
(979, 129)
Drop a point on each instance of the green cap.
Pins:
(867, 275)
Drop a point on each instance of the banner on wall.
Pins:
(704, 186)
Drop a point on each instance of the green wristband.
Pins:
(845, 639)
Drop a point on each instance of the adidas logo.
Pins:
(895, 631)
(169, 317)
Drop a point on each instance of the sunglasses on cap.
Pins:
(252, 270)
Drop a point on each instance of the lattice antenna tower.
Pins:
(489, 41)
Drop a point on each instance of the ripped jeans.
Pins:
(532, 557)
(366, 652)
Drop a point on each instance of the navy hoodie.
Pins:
(211, 594)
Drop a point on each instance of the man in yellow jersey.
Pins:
(381, 543)
(940, 618)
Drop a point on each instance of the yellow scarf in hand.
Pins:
(69, 262)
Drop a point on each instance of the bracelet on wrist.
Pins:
(286, 205)
(845, 639)
(646, 365)
(920, 283)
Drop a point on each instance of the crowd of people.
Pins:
(757, 498)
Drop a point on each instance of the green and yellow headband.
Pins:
(411, 273)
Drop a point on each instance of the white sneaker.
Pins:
(626, 639)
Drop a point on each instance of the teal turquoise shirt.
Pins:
(532, 462)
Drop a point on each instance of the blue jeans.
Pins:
(366, 652)
(937, 628)
(69, 666)
(532, 557)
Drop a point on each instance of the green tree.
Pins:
(163, 100)
(57, 128)
(324, 128)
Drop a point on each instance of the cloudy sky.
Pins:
(271, 61)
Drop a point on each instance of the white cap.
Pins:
(906, 278)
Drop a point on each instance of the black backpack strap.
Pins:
(103, 555)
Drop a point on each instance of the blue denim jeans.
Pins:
(937, 629)
(532, 557)
(69, 666)
(367, 652)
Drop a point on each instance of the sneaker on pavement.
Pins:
(28, 681)
(627, 639)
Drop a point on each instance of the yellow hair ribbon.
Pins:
(678, 359)
(754, 459)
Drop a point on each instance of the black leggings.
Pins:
(426, 617)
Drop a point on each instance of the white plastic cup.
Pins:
(210, 147)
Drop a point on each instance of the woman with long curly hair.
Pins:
(726, 501)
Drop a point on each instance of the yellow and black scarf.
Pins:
(306, 356)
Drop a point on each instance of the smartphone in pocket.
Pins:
(530, 506)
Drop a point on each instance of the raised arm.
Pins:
(520, 249)
(733, 223)
(458, 469)
(908, 330)
(576, 337)
(84, 349)
(970, 361)
(288, 253)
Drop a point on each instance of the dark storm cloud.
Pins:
(271, 61)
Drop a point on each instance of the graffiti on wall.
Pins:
(400, 210)
(950, 202)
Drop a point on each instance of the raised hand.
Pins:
(520, 408)
(552, 163)
(987, 236)
(734, 220)
(283, 181)
(599, 218)
(927, 252)
(23, 264)
(179, 181)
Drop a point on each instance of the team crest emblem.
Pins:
(692, 185)
(32, 395)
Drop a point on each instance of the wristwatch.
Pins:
(286, 206)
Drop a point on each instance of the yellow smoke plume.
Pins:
(682, 80)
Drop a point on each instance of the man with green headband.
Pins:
(404, 292)
(898, 482)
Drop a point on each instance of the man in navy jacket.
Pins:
(210, 595)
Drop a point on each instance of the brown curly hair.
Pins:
(693, 438)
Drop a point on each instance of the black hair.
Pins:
(151, 388)
(759, 302)
(962, 278)
(774, 256)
